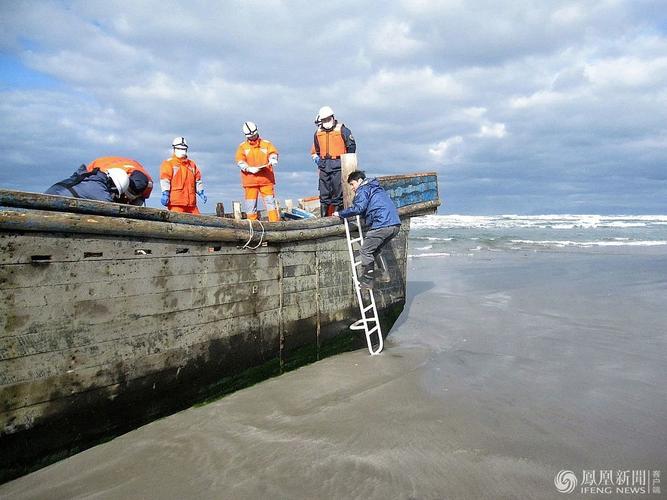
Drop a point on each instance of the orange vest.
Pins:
(255, 156)
(331, 142)
(180, 176)
(107, 162)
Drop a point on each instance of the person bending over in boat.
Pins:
(257, 157)
(141, 182)
(180, 180)
(111, 185)
(381, 217)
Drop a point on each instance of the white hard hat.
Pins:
(179, 142)
(120, 179)
(324, 113)
(249, 129)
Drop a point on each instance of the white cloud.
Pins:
(539, 98)
(401, 87)
(496, 130)
(393, 39)
(447, 151)
(474, 112)
(568, 14)
(628, 71)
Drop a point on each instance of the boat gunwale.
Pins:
(21, 220)
(55, 203)
(51, 213)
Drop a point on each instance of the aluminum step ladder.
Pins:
(369, 322)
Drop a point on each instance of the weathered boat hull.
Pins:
(112, 322)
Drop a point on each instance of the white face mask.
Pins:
(180, 153)
(328, 124)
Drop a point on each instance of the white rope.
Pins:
(252, 232)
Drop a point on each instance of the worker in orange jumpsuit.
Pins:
(331, 140)
(180, 180)
(141, 182)
(257, 157)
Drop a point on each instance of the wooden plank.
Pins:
(39, 201)
(406, 191)
(80, 378)
(305, 283)
(26, 407)
(348, 164)
(307, 297)
(292, 255)
(51, 363)
(17, 248)
(88, 313)
(73, 273)
(58, 222)
(52, 295)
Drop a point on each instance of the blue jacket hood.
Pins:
(373, 203)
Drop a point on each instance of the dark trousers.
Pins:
(374, 241)
(331, 186)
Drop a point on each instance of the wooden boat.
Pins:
(113, 315)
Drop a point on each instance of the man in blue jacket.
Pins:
(381, 217)
(95, 185)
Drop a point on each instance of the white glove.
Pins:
(252, 170)
(243, 166)
(273, 160)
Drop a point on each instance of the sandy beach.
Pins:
(504, 369)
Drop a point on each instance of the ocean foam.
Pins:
(435, 254)
(615, 243)
(554, 221)
(471, 233)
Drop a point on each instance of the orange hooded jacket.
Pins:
(182, 178)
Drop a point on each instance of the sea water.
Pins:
(447, 235)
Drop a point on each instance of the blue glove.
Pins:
(316, 160)
(203, 197)
(165, 198)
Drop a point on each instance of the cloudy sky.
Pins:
(521, 107)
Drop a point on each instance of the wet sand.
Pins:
(503, 370)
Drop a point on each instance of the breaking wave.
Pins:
(562, 221)
(588, 244)
(447, 235)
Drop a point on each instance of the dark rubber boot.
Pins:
(367, 277)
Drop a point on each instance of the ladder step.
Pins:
(356, 240)
(368, 308)
(358, 325)
(357, 262)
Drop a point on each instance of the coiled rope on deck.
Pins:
(252, 233)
